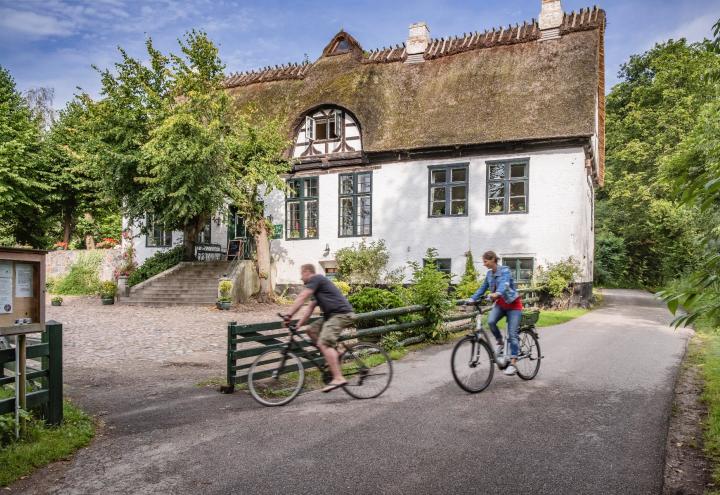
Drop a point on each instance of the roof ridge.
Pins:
(585, 19)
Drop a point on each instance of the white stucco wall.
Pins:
(559, 222)
(557, 225)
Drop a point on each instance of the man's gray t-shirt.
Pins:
(328, 296)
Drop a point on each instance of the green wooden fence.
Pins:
(257, 338)
(47, 391)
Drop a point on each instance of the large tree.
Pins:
(693, 170)
(169, 140)
(258, 165)
(21, 171)
(164, 136)
(648, 114)
(76, 200)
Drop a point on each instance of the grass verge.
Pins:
(705, 352)
(47, 444)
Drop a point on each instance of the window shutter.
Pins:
(309, 128)
(338, 123)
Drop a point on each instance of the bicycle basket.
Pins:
(529, 317)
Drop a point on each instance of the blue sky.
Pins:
(53, 43)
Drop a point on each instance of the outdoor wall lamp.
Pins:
(327, 250)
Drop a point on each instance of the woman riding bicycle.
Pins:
(507, 304)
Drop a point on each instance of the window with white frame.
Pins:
(327, 127)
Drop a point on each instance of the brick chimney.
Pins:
(551, 17)
(417, 42)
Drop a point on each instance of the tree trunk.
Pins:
(190, 232)
(262, 244)
(67, 221)
(89, 239)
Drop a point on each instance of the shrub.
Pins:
(83, 277)
(373, 299)
(157, 263)
(225, 288)
(430, 288)
(342, 286)
(57, 299)
(363, 264)
(108, 289)
(557, 277)
(469, 282)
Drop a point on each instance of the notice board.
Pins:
(22, 288)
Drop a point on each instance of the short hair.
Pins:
(308, 267)
(490, 256)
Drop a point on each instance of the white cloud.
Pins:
(34, 24)
(696, 29)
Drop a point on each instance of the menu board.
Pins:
(23, 280)
(6, 287)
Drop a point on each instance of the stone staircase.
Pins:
(189, 283)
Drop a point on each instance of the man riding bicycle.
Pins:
(337, 315)
(507, 303)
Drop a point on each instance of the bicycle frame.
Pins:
(294, 345)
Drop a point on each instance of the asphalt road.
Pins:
(593, 421)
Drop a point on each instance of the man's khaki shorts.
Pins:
(329, 330)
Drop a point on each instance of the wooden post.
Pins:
(231, 347)
(55, 372)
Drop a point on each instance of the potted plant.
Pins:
(225, 288)
(108, 289)
(56, 301)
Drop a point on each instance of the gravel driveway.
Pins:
(593, 421)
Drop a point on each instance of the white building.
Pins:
(490, 140)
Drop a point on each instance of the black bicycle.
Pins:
(277, 375)
(473, 358)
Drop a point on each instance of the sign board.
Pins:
(277, 231)
(22, 289)
(234, 248)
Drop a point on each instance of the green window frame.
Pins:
(507, 187)
(443, 265)
(448, 188)
(302, 210)
(355, 204)
(156, 235)
(522, 269)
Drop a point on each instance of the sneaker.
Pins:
(510, 370)
(499, 349)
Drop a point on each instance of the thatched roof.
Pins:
(498, 86)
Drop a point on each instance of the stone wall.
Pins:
(57, 263)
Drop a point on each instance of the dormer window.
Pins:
(326, 131)
(327, 127)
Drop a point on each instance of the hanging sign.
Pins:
(23, 280)
(277, 231)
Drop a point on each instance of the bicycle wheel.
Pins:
(472, 364)
(276, 377)
(368, 370)
(528, 363)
